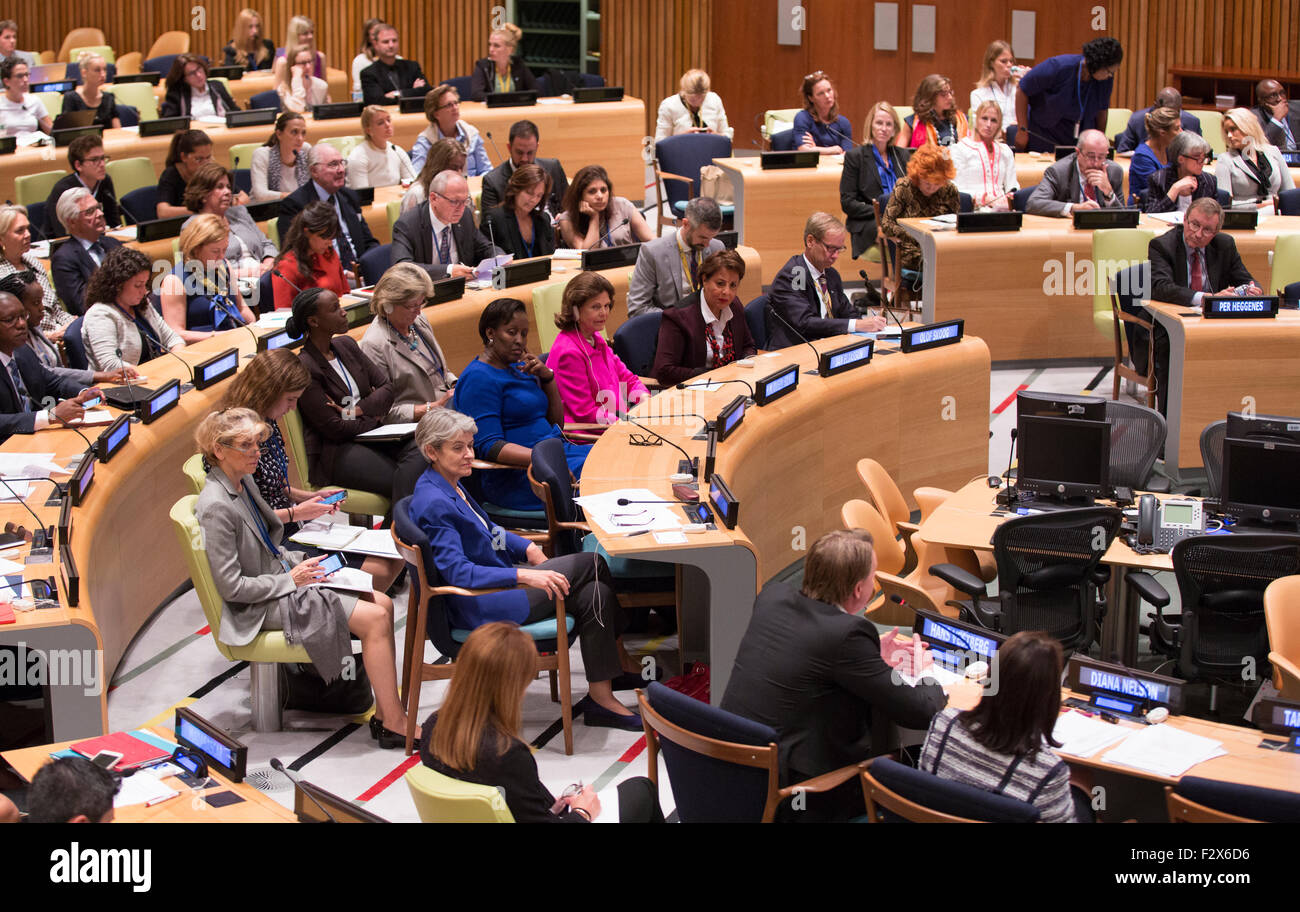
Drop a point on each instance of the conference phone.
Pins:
(1162, 524)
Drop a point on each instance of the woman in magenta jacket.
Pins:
(595, 385)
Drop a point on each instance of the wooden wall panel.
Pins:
(646, 45)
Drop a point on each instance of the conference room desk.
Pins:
(792, 465)
(258, 81)
(604, 133)
(185, 807)
(772, 206)
(122, 541)
(1029, 294)
(1219, 366)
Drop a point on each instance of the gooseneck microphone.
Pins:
(120, 208)
(275, 271)
(704, 384)
(623, 502)
(842, 136)
(771, 308)
(610, 230)
(488, 134)
(630, 420)
(190, 370)
(1010, 497)
(885, 307)
(41, 535)
(293, 777)
(130, 387)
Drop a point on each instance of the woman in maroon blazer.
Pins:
(708, 329)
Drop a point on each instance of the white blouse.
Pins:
(1006, 101)
(371, 167)
(984, 175)
(674, 118)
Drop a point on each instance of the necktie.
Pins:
(1286, 130)
(444, 247)
(24, 400)
(1198, 271)
(825, 296)
(97, 253)
(695, 269)
(1089, 191)
(341, 244)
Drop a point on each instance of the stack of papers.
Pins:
(349, 579)
(1164, 751)
(566, 253)
(389, 432)
(604, 511)
(275, 319)
(143, 788)
(1081, 736)
(340, 537)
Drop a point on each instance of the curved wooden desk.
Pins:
(792, 465)
(122, 541)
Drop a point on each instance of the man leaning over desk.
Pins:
(1083, 180)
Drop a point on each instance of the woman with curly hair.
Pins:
(120, 327)
(926, 191)
(309, 259)
(1063, 96)
(935, 118)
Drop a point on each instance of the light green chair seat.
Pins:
(131, 174)
(345, 144)
(138, 95)
(36, 188)
(394, 213)
(243, 154)
(53, 102)
(193, 469)
(1116, 121)
(1113, 249)
(1286, 262)
(358, 503)
(1212, 129)
(546, 304)
(442, 799)
(103, 50)
(778, 119)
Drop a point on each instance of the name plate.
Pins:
(521, 272)
(1260, 308)
(1093, 219)
(932, 335)
(724, 503)
(1123, 689)
(846, 358)
(774, 386)
(216, 368)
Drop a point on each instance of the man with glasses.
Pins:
(441, 237)
(1083, 180)
(1188, 263)
(29, 389)
(1174, 187)
(89, 170)
(75, 261)
(390, 78)
(1279, 117)
(1062, 97)
(667, 268)
(328, 171)
(807, 293)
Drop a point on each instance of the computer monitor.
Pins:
(1060, 405)
(1261, 480)
(1277, 428)
(1063, 458)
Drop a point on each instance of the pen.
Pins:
(634, 534)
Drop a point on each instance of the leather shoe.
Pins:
(597, 716)
(387, 738)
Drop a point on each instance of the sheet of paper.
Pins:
(93, 417)
(483, 271)
(1082, 736)
(142, 788)
(349, 579)
(1164, 750)
(16, 464)
(341, 537)
(605, 511)
(936, 673)
(15, 491)
(1173, 218)
(670, 538)
(566, 253)
(390, 430)
(275, 319)
(214, 120)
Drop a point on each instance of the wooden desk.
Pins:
(1221, 366)
(185, 807)
(792, 465)
(122, 539)
(1030, 295)
(255, 82)
(606, 133)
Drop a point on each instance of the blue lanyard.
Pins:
(263, 530)
(152, 344)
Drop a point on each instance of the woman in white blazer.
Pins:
(120, 327)
(986, 168)
(693, 110)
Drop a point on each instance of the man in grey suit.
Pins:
(441, 236)
(1084, 180)
(664, 266)
(524, 141)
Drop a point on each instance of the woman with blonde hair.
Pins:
(935, 118)
(476, 735)
(377, 162)
(926, 191)
(249, 47)
(88, 97)
(502, 70)
(298, 89)
(986, 168)
(998, 82)
(442, 110)
(694, 109)
(300, 31)
(1252, 170)
(199, 297)
(870, 171)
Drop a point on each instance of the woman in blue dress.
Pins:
(512, 396)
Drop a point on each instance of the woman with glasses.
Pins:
(191, 94)
(199, 297)
(89, 97)
(309, 258)
(20, 111)
(121, 328)
(263, 586)
(1173, 187)
(935, 118)
(820, 127)
(442, 110)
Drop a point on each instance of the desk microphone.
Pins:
(492, 236)
(130, 387)
(488, 134)
(275, 271)
(42, 535)
(623, 502)
(293, 777)
(73, 428)
(630, 420)
(884, 307)
(190, 370)
(610, 231)
(802, 338)
(842, 136)
(705, 384)
(121, 210)
(1010, 497)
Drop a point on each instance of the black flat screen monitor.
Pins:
(1261, 480)
(1277, 428)
(1063, 458)
(1060, 405)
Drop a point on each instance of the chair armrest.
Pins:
(960, 579)
(457, 590)
(481, 465)
(575, 526)
(1158, 484)
(650, 383)
(823, 783)
(1288, 670)
(1151, 591)
(668, 175)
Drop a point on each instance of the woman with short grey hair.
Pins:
(1177, 184)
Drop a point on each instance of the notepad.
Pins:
(1082, 736)
(389, 432)
(143, 788)
(1164, 751)
(349, 579)
(340, 537)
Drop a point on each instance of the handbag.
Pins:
(714, 183)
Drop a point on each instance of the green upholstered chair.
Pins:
(1286, 262)
(131, 174)
(358, 503)
(138, 95)
(35, 188)
(442, 799)
(193, 469)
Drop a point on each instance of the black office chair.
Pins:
(895, 793)
(1289, 202)
(73, 346)
(1021, 199)
(1198, 800)
(783, 141)
(142, 203)
(375, 262)
(1212, 454)
(268, 99)
(1049, 571)
(1221, 583)
(636, 340)
(756, 318)
(1137, 434)
(1225, 200)
(965, 202)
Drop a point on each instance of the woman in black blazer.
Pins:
(687, 346)
(519, 225)
(1175, 186)
(870, 171)
(348, 396)
(189, 77)
(501, 70)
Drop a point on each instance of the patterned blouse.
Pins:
(907, 201)
(55, 316)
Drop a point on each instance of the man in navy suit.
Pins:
(328, 172)
(1135, 132)
(808, 294)
(76, 259)
(28, 389)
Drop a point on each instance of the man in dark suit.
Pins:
(1135, 133)
(1279, 117)
(441, 236)
(807, 293)
(1084, 180)
(76, 259)
(524, 140)
(89, 170)
(328, 172)
(1188, 263)
(809, 667)
(390, 78)
(30, 391)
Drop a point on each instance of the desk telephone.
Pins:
(1176, 520)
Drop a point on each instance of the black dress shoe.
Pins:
(597, 716)
(387, 738)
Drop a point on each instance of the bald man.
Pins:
(1279, 116)
(1135, 134)
(1083, 180)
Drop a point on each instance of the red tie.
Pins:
(1198, 271)
(1089, 192)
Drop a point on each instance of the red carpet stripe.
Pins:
(388, 780)
(1010, 399)
(634, 751)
